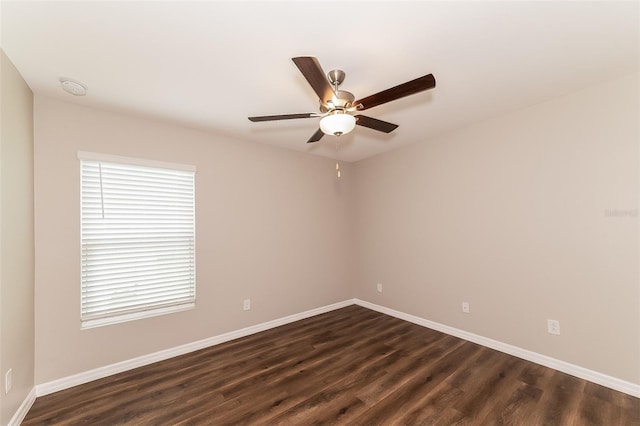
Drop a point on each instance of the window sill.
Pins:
(99, 322)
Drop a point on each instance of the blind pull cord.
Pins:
(101, 190)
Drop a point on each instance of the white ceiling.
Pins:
(209, 65)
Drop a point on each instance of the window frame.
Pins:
(97, 320)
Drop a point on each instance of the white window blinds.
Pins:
(138, 240)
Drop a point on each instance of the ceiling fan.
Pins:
(338, 107)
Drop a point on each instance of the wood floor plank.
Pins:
(428, 407)
(352, 366)
(401, 388)
(486, 393)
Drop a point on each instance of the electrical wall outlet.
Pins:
(246, 304)
(8, 380)
(553, 327)
(465, 307)
(379, 287)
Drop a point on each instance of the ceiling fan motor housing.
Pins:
(342, 100)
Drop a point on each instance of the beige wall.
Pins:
(271, 226)
(16, 238)
(514, 216)
(527, 216)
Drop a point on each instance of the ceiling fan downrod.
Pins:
(336, 77)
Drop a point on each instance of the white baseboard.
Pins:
(99, 373)
(629, 388)
(24, 408)
(108, 370)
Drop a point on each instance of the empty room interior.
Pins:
(319, 212)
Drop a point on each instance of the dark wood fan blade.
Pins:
(405, 89)
(375, 124)
(312, 71)
(282, 116)
(316, 136)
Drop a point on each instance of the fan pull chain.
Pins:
(337, 163)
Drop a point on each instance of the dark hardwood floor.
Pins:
(352, 366)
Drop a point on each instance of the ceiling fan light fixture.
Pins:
(337, 123)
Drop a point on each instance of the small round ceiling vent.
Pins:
(74, 87)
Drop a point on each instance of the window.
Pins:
(137, 238)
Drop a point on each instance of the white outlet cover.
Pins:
(553, 327)
(379, 287)
(465, 307)
(246, 304)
